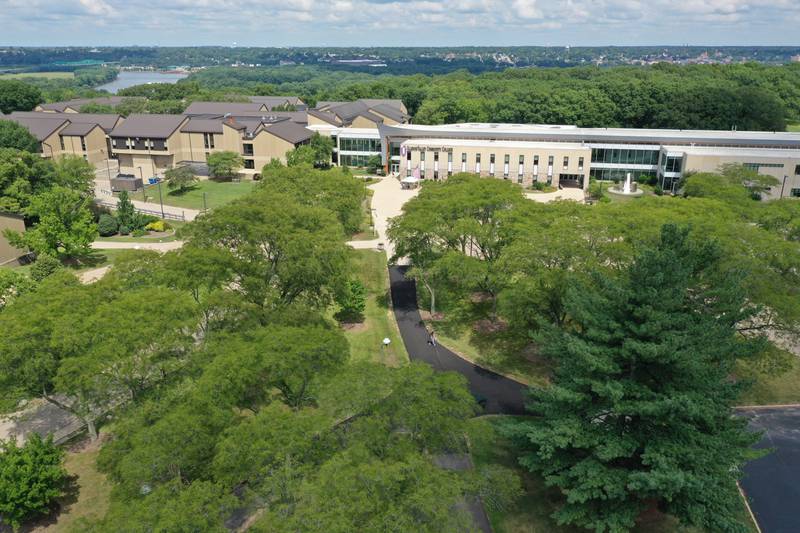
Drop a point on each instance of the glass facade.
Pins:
(361, 145)
(348, 160)
(619, 174)
(757, 166)
(672, 164)
(624, 156)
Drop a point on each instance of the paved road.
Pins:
(502, 395)
(772, 483)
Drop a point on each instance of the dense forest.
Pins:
(747, 97)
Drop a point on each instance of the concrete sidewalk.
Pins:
(387, 202)
(156, 246)
(103, 194)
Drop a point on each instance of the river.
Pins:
(128, 78)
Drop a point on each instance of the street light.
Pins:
(384, 344)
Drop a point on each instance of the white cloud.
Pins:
(464, 22)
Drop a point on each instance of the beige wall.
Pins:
(315, 121)
(266, 147)
(95, 140)
(362, 122)
(386, 120)
(574, 155)
(7, 252)
(711, 163)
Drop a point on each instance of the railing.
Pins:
(165, 215)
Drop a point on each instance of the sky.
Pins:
(398, 23)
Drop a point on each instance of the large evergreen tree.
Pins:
(639, 411)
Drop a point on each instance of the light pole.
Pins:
(160, 200)
(141, 176)
(384, 344)
(783, 186)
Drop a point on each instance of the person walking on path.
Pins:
(432, 338)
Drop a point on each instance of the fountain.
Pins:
(630, 189)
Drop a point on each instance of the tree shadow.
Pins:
(183, 191)
(92, 259)
(60, 505)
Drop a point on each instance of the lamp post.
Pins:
(141, 176)
(160, 199)
(384, 344)
(783, 186)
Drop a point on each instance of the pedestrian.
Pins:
(432, 338)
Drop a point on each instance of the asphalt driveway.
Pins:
(772, 483)
(500, 394)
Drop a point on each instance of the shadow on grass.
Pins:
(61, 505)
(181, 191)
(491, 343)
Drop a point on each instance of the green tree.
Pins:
(323, 149)
(303, 155)
(31, 478)
(639, 412)
(224, 164)
(181, 178)
(352, 302)
(74, 173)
(44, 266)
(13, 135)
(12, 285)
(17, 95)
(282, 251)
(374, 164)
(64, 226)
(126, 214)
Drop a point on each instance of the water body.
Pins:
(129, 79)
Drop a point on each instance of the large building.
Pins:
(568, 156)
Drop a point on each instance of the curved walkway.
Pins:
(501, 394)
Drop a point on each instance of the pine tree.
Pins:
(639, 412)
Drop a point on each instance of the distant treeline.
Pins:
(394, 60)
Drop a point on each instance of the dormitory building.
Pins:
(267, 127)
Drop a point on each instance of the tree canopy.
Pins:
(13, 135)
(16, 95)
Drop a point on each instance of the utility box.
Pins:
(126, 182)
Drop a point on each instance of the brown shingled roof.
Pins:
(152, 126)
(289, 131)
(41, 128)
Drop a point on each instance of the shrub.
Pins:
(139, 232)
(31, 477)
(107, 225)
(538, 185)
(124, 230)
(44, 266)
(158, 225)
(353, 302)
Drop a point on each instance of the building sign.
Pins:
(429, 149)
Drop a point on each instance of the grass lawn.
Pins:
(366, 231)
(772, 390)
(531, 514)
(217, 193)
(50, 75)
(97, 259)
(366, 338)
(793, 127)
(88, 495)
(467, 332)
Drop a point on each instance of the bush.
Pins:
(107, 225)
(31, 477)
(353, 302)
(538, 185)
(124, 230)
(158, 225)
(44, 266)
(139, 233)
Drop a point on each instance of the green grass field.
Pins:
(49, 75)
(793, 127)
(217, 193)
(531, 514)
(366, 338)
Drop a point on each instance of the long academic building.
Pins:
(568, 156)
(267, 127)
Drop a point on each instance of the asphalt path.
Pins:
(772, 483)
(498, 394)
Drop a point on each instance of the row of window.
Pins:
(625, 156)
(208, 140)
(349, 160)
(619, 174)
(672, 164)
(506, 160)
(138, 144)
(360, 145)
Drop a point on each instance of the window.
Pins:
(757, 166)
(566, 162)
(580, 163)
(477, 163)
(506, 161)
(550, 160)
(83, 143)
(249, 163)
(208, 140)
(463, 162)
(491, 165)
(359, 145)
(435, 157)
(795, 193)
(521, 170)
(247, 149)
(797, 170)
